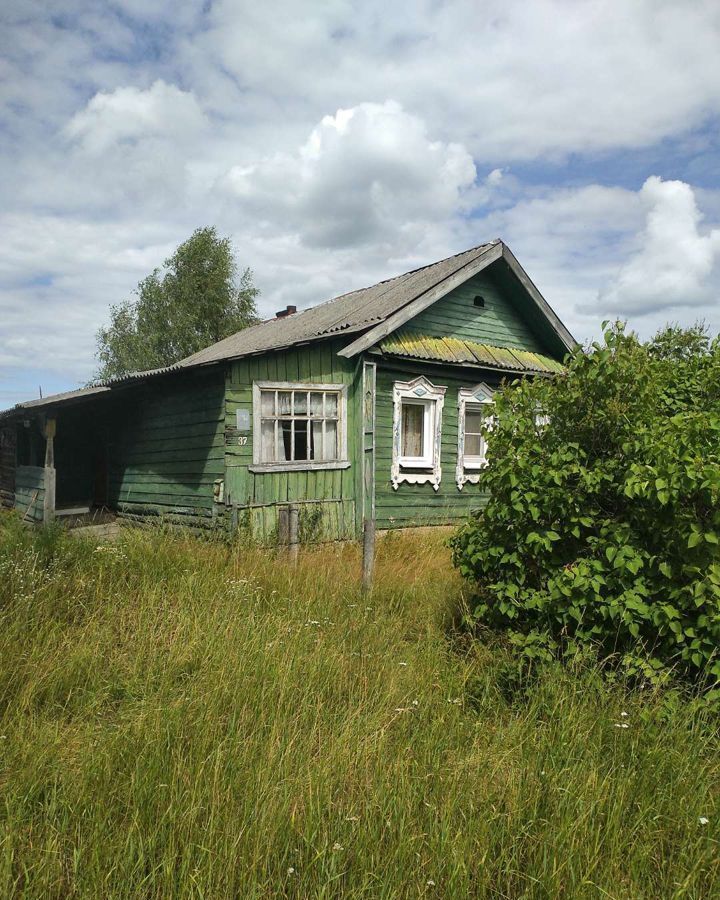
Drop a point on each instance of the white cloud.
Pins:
(128, 114)
(675, 260)
(365, 174)
(513, 82)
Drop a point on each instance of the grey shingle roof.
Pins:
(349, 313)
(345, 314)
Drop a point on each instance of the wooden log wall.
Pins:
(167, 450)
(8, 440)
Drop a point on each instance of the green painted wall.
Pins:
(420, 504)
(257, 495)
(499, 323)
(167, 448)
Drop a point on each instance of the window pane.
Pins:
(473, 421)
(331, 440)
(331, 405)
(301, 440)
(300, 403)
(285, 439)
(316, 404)
(267, 441)
(284, 408)
(473, 445)
(316, 439)
(267, 403)
(413, 417)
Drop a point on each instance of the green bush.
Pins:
(603, 526)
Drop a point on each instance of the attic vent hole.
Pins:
(478, 300)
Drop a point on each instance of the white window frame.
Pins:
(469, 467)
(418, 469)
(301, 464)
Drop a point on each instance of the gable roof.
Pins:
(346, 314)
(376, 311)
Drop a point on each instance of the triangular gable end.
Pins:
(511, 310)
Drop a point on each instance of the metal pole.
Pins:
(368, 562)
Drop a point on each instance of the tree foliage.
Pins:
(200, 298)
(603, 525)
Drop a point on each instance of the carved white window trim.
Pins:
(468, 469)
(418, 470)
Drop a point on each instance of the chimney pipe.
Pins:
(284, 313)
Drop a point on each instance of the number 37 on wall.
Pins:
(242, 440)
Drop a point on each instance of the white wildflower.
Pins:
(624, 715)
(402, 664)
(291, 870)
(416, 702)
(338, 846)
(703, 820)
(430, 882)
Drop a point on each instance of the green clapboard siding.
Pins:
(499, 323)
(420, 504)
(257, 496)
(167, 449)
(30, 492)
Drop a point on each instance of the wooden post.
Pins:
(284, 526)
(293, 532)
(50, 475)
(368, 561)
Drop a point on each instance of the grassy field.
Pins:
(180, 719)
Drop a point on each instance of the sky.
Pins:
(338, 143)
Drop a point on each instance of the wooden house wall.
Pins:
(8, 440)
(326, 497)
(499, 323)
(419, 504)
(166, 449)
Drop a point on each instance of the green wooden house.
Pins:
(368, 406)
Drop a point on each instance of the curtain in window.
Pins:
(413, 418)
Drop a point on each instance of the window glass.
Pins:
(300, 404)
(477, 416)
(299, 425)
(316, 404)
(413, 429)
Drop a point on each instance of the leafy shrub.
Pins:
(603, 525)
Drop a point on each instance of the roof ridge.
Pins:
(403, 274)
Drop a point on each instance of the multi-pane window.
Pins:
(297, 425)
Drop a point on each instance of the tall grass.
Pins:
(180, 719)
